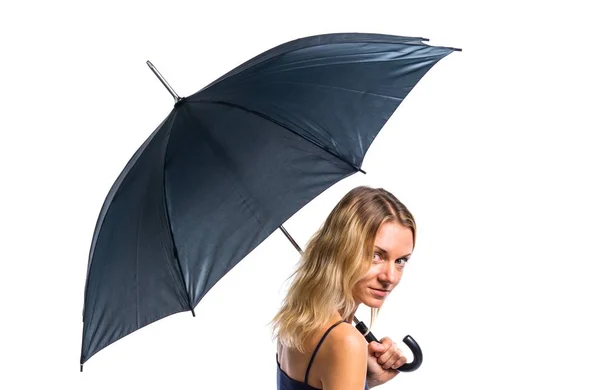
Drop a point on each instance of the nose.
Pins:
(390, 274)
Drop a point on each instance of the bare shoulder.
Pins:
(346, 338)
(346, 356)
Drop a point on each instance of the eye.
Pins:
(376, 256)
(401, 261)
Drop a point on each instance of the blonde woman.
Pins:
(357, 256)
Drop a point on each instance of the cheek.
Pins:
(399, 278)
(364, 282)
(369, 276)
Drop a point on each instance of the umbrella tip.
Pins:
(81, 368)
(163, 81)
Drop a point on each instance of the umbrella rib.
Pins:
(140, 219)
(260, 114)
(240, 190)
(168, 217)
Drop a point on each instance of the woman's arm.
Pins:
(346, 361)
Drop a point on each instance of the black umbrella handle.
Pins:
(408, 340)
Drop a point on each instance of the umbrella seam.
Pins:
(99, 224)
(168, 217)
(111, 194)
(233, 183)
(137, 266)
(264, 116)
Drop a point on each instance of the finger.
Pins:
(376, 348)
(398, 363)
(387, 342)
(392, 353)
(394, 362)
(389, 364)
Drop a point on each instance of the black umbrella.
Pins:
(231, 163)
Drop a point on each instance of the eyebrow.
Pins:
(386, 253)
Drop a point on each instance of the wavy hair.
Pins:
(337, 256)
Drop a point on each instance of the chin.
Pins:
(373, 303)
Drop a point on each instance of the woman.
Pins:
(357, 256)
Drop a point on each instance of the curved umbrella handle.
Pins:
(408, 340)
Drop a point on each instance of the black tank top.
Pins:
(284, 382)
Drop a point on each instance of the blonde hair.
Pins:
(337, 256)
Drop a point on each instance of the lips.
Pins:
(380, 293)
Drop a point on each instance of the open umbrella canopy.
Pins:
(231, 163)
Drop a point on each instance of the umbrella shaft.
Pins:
(289, 237)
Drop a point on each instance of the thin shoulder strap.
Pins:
(317, 348)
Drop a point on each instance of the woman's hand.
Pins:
(383, 360)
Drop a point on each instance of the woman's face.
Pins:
(393, 247)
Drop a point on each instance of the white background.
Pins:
(495, 152)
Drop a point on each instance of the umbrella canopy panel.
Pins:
(231, 181)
